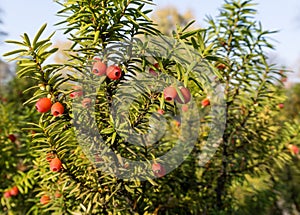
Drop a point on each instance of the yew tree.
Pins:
(137, 122)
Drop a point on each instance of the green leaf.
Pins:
(14, 52)
(15, 42)
(27, 40)
(37, 36)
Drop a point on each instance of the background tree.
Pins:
(5, 71)
(61, 56)
(16, 155)
(169, 18)
(2, 33)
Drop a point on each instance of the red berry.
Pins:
(152, 71)
(205, 102)
(57, 194)
(294, 149)
(7, 194)
(43, 105)
(281, 105)
(77, 93)
(170, 93)
(57, 109)
(185, 108)
(160, 111)
(177, 123)
(45, 199)
(12, 137)
(221, 66)
(99, 68)
(86, 102)
(114, 72)
(14, 191)
(161, 173)
(158, 170)
(156, 167)
(55, 165)
(186, 95)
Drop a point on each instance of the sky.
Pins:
(20, 16)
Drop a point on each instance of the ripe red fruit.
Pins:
(205, 102)
(221, 66)
(152, 71)
(99, 68)
(12, 137)
(177, 123)
(45, 199)
(43, 105)
(114, 72)
(186, 95)
(160, 111)
(281, 105)
(55, 165)
(57, 109)
(294, 149)
(14, 191)
(158, 169)
(185, 108)
(77, 93)
(170, 93)
(57, 194)
(7, 194)
(86, 102)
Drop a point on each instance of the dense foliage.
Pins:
(60, 163)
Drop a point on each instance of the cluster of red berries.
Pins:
(86, 102)
(43, 105)
(170, 94)
(113, 72)
(77, 93)
(11, 192)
